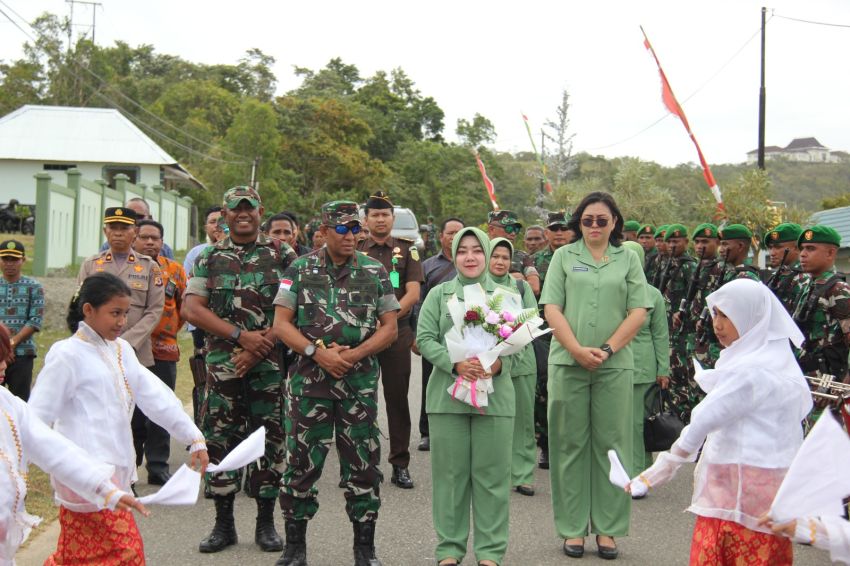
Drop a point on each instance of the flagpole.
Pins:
(762, 95)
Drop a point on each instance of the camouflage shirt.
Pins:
(650, 264)
(827, 323)
(239, 283)
(678, 278)
(742, 271)
(541, 260)
(339, 304)
(521, 263)
(784, 285)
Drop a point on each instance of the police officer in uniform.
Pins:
(335, 308)
(141, 274)
(401, 260)
(784, 260)
(229, 296)
(506, 224)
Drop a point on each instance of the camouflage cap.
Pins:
(556, 219)
(735, 232)
(120, 214)
(631, 226)
(235, 195)
(503, 217)
(12, 249)
(340, 212)
(659, 233)
(785, 232)
(646, 229)
(819, 234)
(706, 230)
(676, 231)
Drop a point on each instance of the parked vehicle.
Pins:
(404, 225)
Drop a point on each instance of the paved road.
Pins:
(660, 534)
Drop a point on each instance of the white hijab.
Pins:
(764, 329)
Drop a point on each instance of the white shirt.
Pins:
(24, 439)
(87, 391)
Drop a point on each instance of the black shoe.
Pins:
(424, 444)
(295, 551)
(158, 478)
(543, 461)
(265, 534)
(637, 497)
(364, 544)
(606, 552)
(401, 477)
(224, 530)
(525, 490)
(573, 550)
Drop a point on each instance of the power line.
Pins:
(813, 22)
(128, 114)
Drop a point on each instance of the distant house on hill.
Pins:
(100, 142)
(808, 150)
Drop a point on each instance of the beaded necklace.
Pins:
(126, 394)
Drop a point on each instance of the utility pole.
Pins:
(762, 95)
(94, 7)
(542, 160)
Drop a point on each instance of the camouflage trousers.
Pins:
(311, 425)
(541, 394)
(684, 391)
(234, 408)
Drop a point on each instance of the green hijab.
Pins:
(485, 243)
(636, 248)
(505, 279)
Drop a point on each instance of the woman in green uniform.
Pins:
(523, 374)
(470, 451)
(651, 350)
(595, 302)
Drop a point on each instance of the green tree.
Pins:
(476, 132)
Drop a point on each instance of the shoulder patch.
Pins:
(414, 253)
(407, 240)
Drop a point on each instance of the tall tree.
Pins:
(558, 131)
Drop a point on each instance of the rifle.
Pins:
(705, 315)
(688, 299)
(770, 282)
(662, 280)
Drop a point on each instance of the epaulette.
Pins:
(408, 240)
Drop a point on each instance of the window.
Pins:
(58, 166)
(110, 171)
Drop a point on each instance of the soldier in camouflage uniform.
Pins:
(678, 279)
(230, 297)
(646, 239)
(656, 264)
(712, 272)
(336, 309)
(505, 224)
(823, 308)
(630, 230)
(784, 260)
(735, 241)
(557, 235)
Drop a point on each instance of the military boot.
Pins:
(265, 534)
(224, 530)
(364, 544)
(295, 551)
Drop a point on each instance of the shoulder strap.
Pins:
(521, 286)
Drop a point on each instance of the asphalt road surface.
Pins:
(660, 528)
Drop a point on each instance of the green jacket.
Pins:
(652, 344)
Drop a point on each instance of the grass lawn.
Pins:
(39, 499)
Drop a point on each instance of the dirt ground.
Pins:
(57, 294)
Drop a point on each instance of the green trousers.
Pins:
(641, 459)
(524, 451)
(589, 414)
(471, 463)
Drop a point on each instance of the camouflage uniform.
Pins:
(782, 281)
(334, 305)
(706, 347)
(542, 259)
(239, 283)
(823, 314)
(682, 384)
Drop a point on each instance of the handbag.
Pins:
(662, 425)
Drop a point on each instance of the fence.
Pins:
(69, 220)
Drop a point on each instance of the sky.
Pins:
(502, 59)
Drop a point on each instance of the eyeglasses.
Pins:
(343, 229)
(562, 228)
(601, 221)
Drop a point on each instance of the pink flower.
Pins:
(505, 331)
(492, 318)
(508, 317)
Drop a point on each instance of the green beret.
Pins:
(785, 232)
(631, 226)
(705, 230)
(819, 234)
(647, 229)
(735, 232)
(661, 231)
(675, 231)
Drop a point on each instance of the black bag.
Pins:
(662, 426)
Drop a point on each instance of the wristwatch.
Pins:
(235, 334)
(607, 349)
(309, 350)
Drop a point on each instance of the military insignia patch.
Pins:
(676, 234)
(414, 253)
(138, 268)
(286, 284)
(774, 235)
(119, 212)
(136, 285)
(707, 231)
(10, 246)
(809, 235)
(157, 281)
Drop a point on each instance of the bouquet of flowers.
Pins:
(487, 329)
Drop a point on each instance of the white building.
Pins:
(100, 142)
(807, 150)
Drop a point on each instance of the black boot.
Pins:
(265, 534)
(224, 530)
(364, 544)
(295, 552)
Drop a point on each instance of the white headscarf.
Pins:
(764, 328)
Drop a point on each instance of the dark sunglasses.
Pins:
(512, 228)
(343, 229)
(588, 222)
(558, 228)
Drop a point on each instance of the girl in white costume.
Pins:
(750, 422)
(86, 391)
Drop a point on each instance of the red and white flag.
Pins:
(491, 190)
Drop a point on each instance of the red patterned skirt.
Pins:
(725, 543)
(107, 538)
